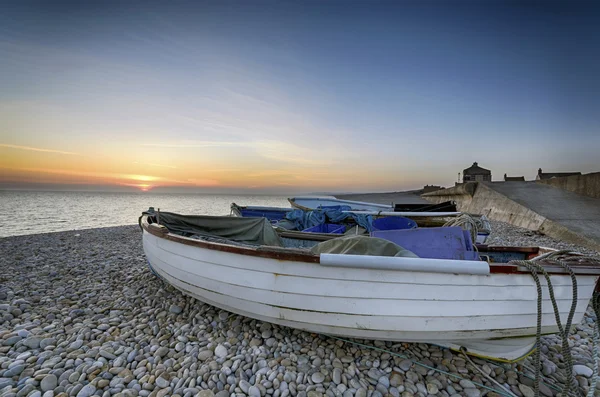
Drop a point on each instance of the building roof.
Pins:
(476, 170)
(514, 178)
(550, 175)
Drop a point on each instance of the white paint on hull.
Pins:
(445, 309)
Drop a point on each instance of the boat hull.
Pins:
(490, 315)
(311, 203)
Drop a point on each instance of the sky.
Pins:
(302, 96)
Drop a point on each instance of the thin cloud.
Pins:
(192, 145)
(36, 149)
(204, 182)
(103, 175)
(156, 165)
(271, 173)
(269, 149)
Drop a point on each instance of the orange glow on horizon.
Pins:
(148, 168)
(144, 187)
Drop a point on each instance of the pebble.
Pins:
(361, 392)
(245, 386)
(337, 376)
(396, 379)
(583, 371)
(221, 351)
(47, 342)
(50, 382)
(32, 342)
(4, 382)
(76, 345)
(471, 392)
(86, 391)
(14, 371)
(318, 377)
(405, 365)
(432, 389)
(205, 355)
(526, 390)
(385, 381)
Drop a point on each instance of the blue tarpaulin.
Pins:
(334, 214)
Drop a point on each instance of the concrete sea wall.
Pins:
(587, 185)
(490, 200)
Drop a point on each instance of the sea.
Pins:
(29, 212)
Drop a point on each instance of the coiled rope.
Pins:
(467, 222)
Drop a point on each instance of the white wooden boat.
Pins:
(311, 203)
(487, 308)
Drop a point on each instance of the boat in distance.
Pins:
(311, 203)
(487, 307)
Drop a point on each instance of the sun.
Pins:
(144, 187)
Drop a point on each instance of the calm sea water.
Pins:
(40, 212)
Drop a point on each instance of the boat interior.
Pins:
(257, 232)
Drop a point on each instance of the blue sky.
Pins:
(312, 95)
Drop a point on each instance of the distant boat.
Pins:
(361, 207)
(311, 203)
(242, 265)
(449, 206)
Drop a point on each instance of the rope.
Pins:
(501, 392)
(538, 332)
(534, 266)
(564, 332)
(463, 351)
(554, 258)
(467, 222)
(596, 342)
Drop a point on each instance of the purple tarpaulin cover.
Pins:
(433, 242)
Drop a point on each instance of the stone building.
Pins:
(549, 175)
(476, 174)
(431, 188)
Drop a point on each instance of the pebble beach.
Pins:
(82, 315)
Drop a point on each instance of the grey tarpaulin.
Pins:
(361, 245)
(250, 230)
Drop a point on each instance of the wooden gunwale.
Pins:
(285, 254)
(298, 206)
(274, 253)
